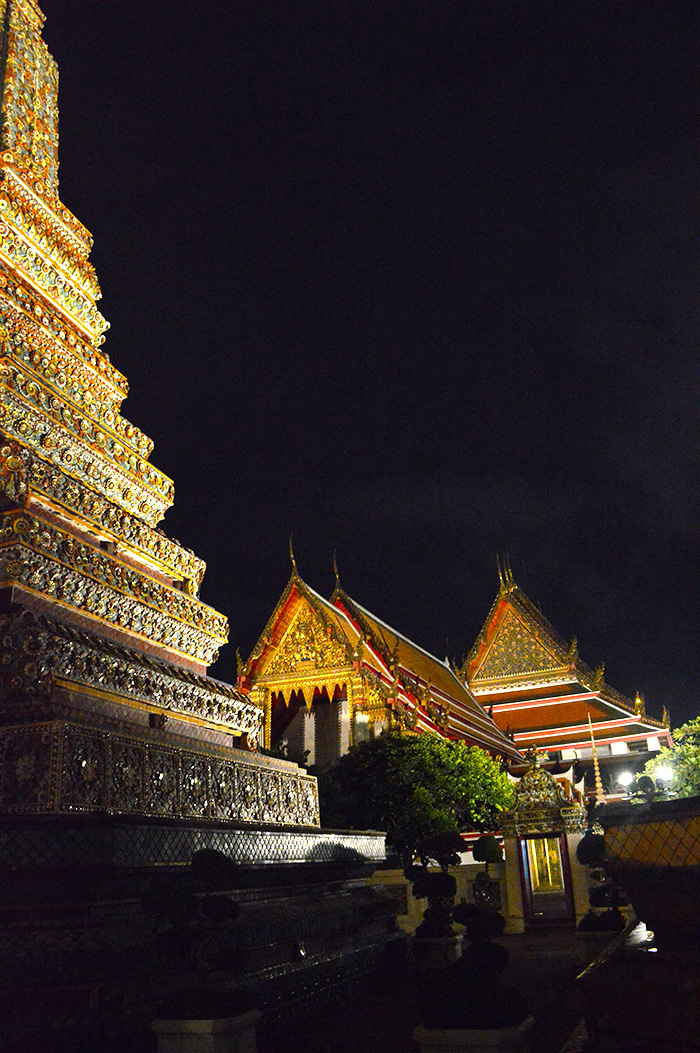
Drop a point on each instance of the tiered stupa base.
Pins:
(103, 919)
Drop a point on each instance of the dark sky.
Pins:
(416, 282)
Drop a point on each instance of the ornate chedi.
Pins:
(104, 643)
(132, 806)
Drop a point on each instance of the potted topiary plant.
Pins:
(437, 943)
(487, 890)
(473, 1011)
(605, 897)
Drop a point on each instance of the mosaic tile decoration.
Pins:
(59, 767)
(666, 842)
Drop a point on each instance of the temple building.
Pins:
(329, 674)
(539, 690)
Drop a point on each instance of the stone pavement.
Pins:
(381, 1017)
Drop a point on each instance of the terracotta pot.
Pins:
(505, 1039)
(438, 953)
(227, 1035)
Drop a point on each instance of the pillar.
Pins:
(579, 878)
(344, 732)
(515, 917)
(301, 734)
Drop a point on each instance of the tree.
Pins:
(487, 850)
(415, 788)
(683, 759)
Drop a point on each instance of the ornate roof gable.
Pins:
(517, 650)
(307, 643)
(298, 637)
(541, 807)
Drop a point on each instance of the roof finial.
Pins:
(335, 570)
(291, 555)
(505, 574)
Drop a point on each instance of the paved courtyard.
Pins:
(382, 1015)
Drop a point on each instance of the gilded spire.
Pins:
(42, 241)
(60, 397)
(599, 791)
(29, 133)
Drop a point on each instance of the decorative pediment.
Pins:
(541, 807)
(516, 651)
(306, 645)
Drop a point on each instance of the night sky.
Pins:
(416, 282)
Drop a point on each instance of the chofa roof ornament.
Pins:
(505, 574)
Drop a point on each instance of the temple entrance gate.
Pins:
(546, 880)
(541, 833)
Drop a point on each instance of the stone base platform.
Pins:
(37, 842)
(102, 921)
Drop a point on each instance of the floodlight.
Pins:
(664, 772)
(625, 778)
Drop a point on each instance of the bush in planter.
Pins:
(480, 924)
(602, 921)
(186, 904)
(437, 887)
(590, 850)
(608, 895)
(202, 1018)
(487, 850)
(487, 892)
(471, 995)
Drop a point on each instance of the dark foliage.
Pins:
(590, 850)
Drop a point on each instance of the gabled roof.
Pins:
(340, 628)
(519, 658)
(424, 677)
(517, 642)
(417, 683)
